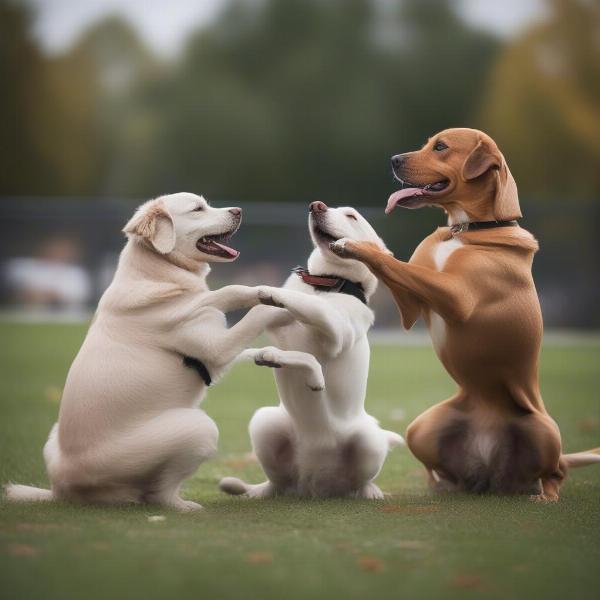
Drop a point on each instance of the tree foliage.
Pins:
(296, 100)
(543, 103)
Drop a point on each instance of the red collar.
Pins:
(332, 283)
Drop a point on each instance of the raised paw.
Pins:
(267, 358)
(343, 247)
(268, 296)
(316, 382)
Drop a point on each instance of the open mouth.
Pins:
(411, 194)
(322, 236)
(213, 244)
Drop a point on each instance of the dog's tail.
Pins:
(234, 486)
(14, 492)
(582, 459)
(394, 439)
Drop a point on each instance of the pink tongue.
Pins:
(230, 251)
(398, 196)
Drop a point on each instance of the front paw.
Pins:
(269, 296)
(267, 358)
(316, 386)
(316, 381)
(344, 247)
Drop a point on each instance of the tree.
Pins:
(22, 165)
(304, 99)
(543, 103)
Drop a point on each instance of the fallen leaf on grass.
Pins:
(589, 425)
(466, 582)
(23, 550)
(53, 393)
(370, 563)
(238, 461)
(395, 508)
(259, 558)
(156, 518)
(411, 544)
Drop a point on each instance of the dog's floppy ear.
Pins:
(482, 158)
(506, 199)
(153, 222)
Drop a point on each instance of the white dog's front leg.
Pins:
(220, 347)
(311, 311)
(231, 297)
(277, 359)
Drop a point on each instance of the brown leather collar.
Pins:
(332, 283)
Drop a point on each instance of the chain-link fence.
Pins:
(59, 254)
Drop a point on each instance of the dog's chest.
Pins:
(441, 252)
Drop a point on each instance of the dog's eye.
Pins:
(198, 208)
(351, 217)
(439, 146)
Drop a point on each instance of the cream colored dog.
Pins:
(323, 442)
(129, 428)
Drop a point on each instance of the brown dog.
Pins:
(472, 284)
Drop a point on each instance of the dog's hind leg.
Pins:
(370, 492)
(274, 443)
(192, 439)
(153, 459)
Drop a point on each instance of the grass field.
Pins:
(412, 545)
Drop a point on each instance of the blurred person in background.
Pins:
(54, 278)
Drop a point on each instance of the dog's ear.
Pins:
(484, 157)
(153, 222)
(506, 198)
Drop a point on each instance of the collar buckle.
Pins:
(459, 228)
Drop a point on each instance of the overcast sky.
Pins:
(165, 24)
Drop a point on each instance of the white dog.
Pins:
(321, 443)
(129, 428)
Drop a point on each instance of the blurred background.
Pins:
(271, 104)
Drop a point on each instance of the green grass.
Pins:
(412, 545)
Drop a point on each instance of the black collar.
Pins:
(332, 283)
(199, 367)
(475, 225)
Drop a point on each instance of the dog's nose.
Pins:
(317, 206)
(235, 211)
(398, 160)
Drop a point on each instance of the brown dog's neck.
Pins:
(457, 214)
